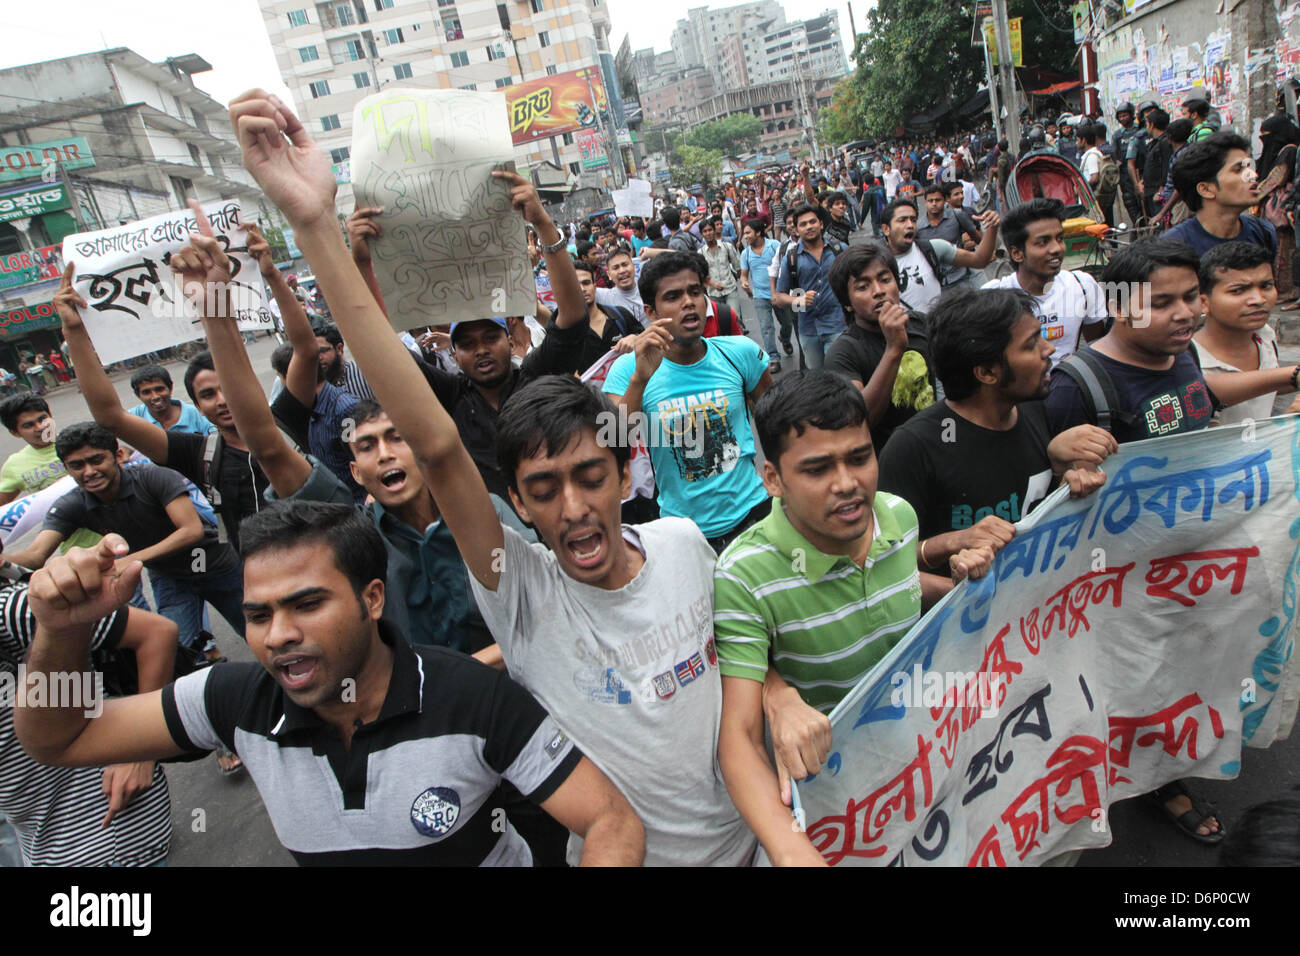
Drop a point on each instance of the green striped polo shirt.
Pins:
(823, 620)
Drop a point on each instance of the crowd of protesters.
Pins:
(460, 597)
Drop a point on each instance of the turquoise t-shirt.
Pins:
(758, 264)
(700, 440)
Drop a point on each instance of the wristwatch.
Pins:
(556, 246)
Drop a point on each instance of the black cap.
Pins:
(1197, 103)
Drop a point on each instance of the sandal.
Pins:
(1291, 306)
(231, 765)
(1191, 819)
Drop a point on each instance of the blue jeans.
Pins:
(766, 326)
(815, 346)
(180, 600)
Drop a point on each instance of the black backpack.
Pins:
(1100, 397)
(621, 317)
(792, 258)
(727, 320)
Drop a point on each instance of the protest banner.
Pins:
(136, 304)
(1118, 642)
(453, 247)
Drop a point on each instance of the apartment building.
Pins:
(333, 54)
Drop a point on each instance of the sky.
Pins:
(230, 34)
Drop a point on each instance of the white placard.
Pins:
(136, 304)
(453, 248)
(635, 200)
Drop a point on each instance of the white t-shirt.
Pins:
(1069, 302)
(892, 179)
(970, 196)
(630, 300)
(921, 287)
(1255, 408)
(1090, 164)
(632, 677)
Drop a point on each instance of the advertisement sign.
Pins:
(33, 202)
(28, 266)
(1017, 48)
(27, 162)
(555, 104)
(27, 318)
(593, 151)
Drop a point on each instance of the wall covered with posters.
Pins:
(1166, 52)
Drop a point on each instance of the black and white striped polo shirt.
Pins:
(416, 786)
(57, 811)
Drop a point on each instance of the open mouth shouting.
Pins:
(296, 672)
(394, 479)
(850, 512)
(586, 547)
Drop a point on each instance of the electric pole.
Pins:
(1007, 76)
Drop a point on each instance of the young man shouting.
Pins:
(581, 623)
(366, 751)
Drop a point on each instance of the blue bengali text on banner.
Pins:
(1119, 642)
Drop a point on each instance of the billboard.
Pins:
(556, 104)
(28, 161)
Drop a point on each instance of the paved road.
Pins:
(221, 821)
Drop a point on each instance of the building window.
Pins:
(340, 155)
(492, 55)
(402, 71)
(453, 29)
(504, 16)
(543, 38)
(394, 36)
(308, 53)
(383, 5)
(506, 81)
(460, 58)
(320, 88)
(575, 168)
(297, 18)
(344, 14)
(470, 86)
(567, 138)
(536, 5)
(184, 188)
(355, 52)
(330, 122)
(550, 70)
(362, 80)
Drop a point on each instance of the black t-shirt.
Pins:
(292, 417)
(1161, 403)
(858, 352)
(236, 476)
(1156, 166)
(954, 472)
(139, 514)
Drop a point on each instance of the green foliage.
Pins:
(916, 54)
(695, 165)
(728, 135)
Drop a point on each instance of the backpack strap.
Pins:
(212, 448)
(1100, 398)
(930, 256)
(726, 320)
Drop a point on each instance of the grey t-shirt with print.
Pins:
(632, 677)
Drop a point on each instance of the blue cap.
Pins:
(456, 325)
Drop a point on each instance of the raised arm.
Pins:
(570, 306)
(983, 253)
(101, 397)
(203, 264)
(67, 598)
(296, 176)
(302, 375)
(362, 226)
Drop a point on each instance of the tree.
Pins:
(916, 55)
(695, 165)
(728, 135)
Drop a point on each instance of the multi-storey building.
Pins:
(92, 141)
(333, 54)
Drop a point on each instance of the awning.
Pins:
(1056, 88)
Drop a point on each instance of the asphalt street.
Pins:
(221, 821)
